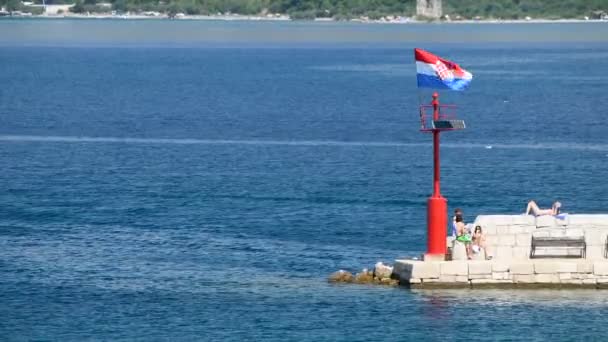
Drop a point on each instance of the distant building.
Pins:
(429, 8)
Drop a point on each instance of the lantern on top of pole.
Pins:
(438, 73)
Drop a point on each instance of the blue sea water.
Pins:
(170, 180)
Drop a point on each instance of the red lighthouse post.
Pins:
(437, 205)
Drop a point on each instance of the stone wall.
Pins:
(544, 272)
(509, 240)
(509, 236)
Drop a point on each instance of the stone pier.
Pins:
(509, 240)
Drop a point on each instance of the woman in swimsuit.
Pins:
(479, 242)
(536, 211)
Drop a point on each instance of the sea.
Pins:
(192, 180)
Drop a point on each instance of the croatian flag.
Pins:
(436, 72)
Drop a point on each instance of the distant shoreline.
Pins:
(285, 18)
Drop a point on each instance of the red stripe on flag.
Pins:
(427, 57)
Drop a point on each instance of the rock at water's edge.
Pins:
(341, 277)
(382, 271)
(365, 277)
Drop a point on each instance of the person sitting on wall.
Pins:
(462, 235)
(536, 211)
(479, 243)
(457, 212)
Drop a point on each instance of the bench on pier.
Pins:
(576, 244)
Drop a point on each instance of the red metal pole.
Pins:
(436, 166)
(437, 218)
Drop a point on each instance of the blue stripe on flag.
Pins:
(428, 81)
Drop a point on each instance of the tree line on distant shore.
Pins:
(341, 9)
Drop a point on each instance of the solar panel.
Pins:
(448, 124)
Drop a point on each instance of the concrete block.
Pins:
(500, 266)
(522, 268)
(415, 280)
(490, 281)
(601, 280)
(489, 251)
(528, 229)
(557, 232)
(583, 276)
(489, 230)
(589, 281)
(462, 279)
(547, 278)
(579, 275)
(574, 232)
(595, 237)
(586, 220)
(584, 267)
(493, 220)
(408, 269)
(432, 280)
(492, 240)
(459, 251)
(572, 281)
(523, 239)
(479, 256)
(522, 229)
(523, 220)
(564, 221)
(541, 233)
(447, 278)
(548, 267)
(454, 268)
(564, 276)
(506, 240)
(504, 252)
(545, 221)
(480, 276)
(502, 230)
(521, 253)
(501, 275)
(594, 252)
(566, 267)
(600, 268)
(483, 220)
(480, 267)
(514, 229)
(554, 267)
(524, 278)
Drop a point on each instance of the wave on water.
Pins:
(76, 139)
(336, 143)
(385, 69)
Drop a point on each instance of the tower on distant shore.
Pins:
(429, 8)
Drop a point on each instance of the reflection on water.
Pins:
(500, 297)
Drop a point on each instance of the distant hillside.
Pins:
(519, 9)
(346, 9)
